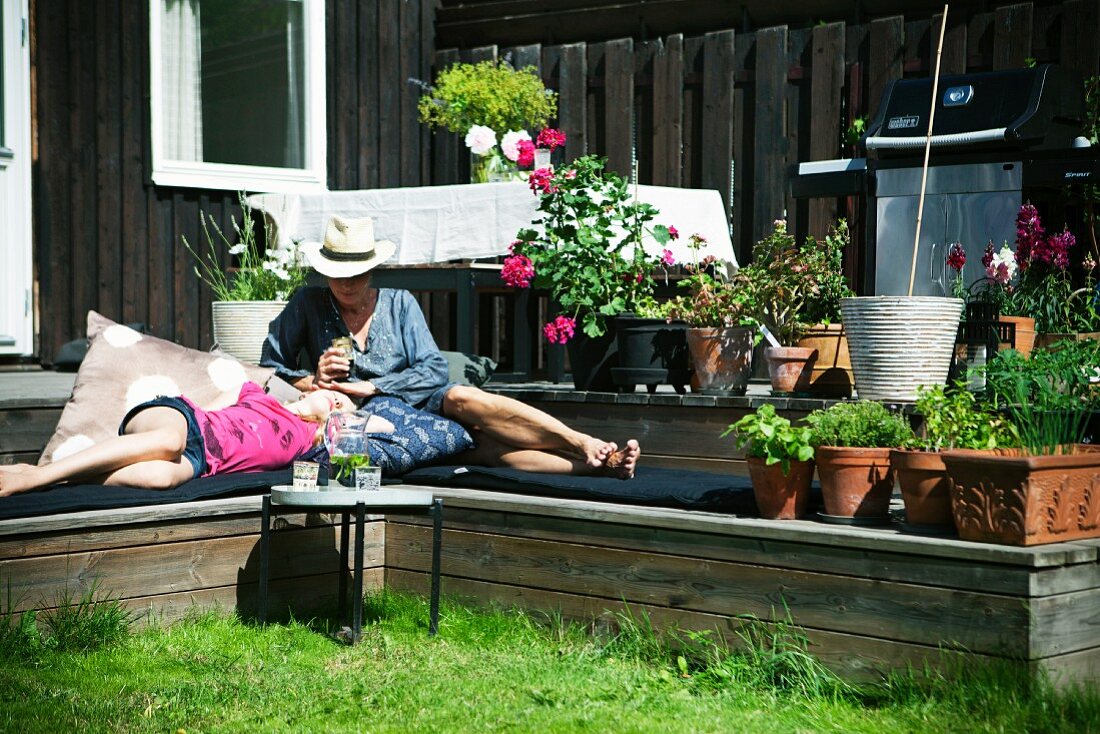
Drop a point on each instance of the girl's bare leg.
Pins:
(521, 426)
(157, 434)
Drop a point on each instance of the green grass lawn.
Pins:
(486, 671)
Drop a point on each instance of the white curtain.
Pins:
(181, 64)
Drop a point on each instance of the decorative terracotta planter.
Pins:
(779, 496)
(832, 372)
(722, 359)
(855, 482)
(1025, 332)
(1006, 497)
(924, 487)
(790, 368)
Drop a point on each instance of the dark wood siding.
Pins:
(105, 237)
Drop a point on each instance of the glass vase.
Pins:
(493, 167)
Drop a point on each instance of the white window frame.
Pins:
(16, 276)
(231, 177)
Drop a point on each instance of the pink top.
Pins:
(255, 434)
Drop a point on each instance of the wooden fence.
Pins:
(736, 111)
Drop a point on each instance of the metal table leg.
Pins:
(437, 541)
(265, 560)
(357, 586)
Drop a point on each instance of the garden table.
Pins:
(345, 503)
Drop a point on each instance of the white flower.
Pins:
(1008, 259)
(481, 139)
(276, 269)
(237, 249)
(509, 143)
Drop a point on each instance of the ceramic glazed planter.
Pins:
(779, 496)
(832, 372)
(1025, 332)
(1005, 497)
(790, 368)
(652, 352)
(722, 359)
(924, 487)
(591, 361)
(856, 483)
(240, 327)
(899, 343)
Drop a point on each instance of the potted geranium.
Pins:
(248, 296)
(852, 443)
(720, 310)
(493, 105)
(780, 460)
(585, 248)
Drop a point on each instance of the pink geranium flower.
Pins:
(550, 138)
(560, 330)
(540, 180)
(667, 258)
(517, 271)
(673, 233)
(526, 153)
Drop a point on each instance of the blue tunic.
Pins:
(401, 357)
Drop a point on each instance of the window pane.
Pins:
(3, 96)
(234, 82)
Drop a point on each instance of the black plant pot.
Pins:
(652, 352)
(592, 361)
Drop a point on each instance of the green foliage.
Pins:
(855, 130)
(1048, 397)
(490, 93)
(1045, 295)
(583, 246)
(956, 420)
(865, 424)
(716, 299)
(797, 286)
(88, 622)
(273, 275)
(772, 437)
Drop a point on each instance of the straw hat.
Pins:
(349, 248)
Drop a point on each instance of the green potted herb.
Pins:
(1044, 490)
(852, 444)
(780, 460)
(953, 419)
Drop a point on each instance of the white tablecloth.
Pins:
(432, 224)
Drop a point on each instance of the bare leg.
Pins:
(156, 434)
(489, 452)
(521, 426)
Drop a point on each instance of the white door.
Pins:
(16, 325)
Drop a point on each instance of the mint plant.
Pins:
(771, 437)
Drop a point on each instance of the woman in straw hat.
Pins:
(394, 354)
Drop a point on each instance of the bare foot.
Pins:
(17, 478)
(597, 452)
(622, 463)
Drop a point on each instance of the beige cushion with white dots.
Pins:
(124, 368)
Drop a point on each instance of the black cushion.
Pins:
(78, 497)
(691, 490)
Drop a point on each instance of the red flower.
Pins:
(956, 257)
(560, 330)
(517, 271)
(526, 153)
(540, 180)
(551, 138)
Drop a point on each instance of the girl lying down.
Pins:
(169, 440)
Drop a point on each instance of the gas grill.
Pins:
(998, 139)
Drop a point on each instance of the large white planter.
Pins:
(899, 343)
(240, 327)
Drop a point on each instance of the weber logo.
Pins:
(901, 123)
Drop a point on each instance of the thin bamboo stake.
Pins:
(927, 149)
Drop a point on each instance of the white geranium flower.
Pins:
(481, 139)
(509, 144)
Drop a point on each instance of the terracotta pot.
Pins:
(924, 487)
(832, 372)
(855, 482)
(722, 358)
(1006, 497)
(779, 496)
(1025, 332)
(790, 368)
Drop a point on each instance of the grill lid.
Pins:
(1017, 109)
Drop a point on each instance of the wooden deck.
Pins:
(869, 599)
